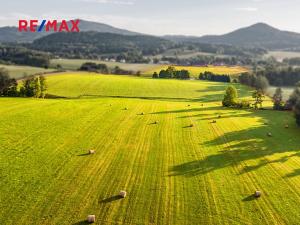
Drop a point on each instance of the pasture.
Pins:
(17, 71)
(148, 69)
(174, 173)
(74, 64)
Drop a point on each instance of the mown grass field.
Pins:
(173, 173)
(196, 70)
(74, 64)
(148, 69)
(17, 71)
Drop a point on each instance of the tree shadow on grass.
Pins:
(110, 199)
(240, 146)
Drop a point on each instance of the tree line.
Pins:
(104, 69)
(23, 56)
(214, 77)
(33, 86)
(171, 72)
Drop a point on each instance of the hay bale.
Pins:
(219, 116)
(188, 105)
(214, 121)
(192, 125)
(92, 151)
(142, 113)
(156, 122)
(91, 218)
(125, 108)
(257, 194)
(270, 134)
(123, 194)
(286, 126)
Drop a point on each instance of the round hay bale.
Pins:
(142, 113)
(156, 122)
(192, 125)
(286, 126)
(219, 116)
(92, 152)
(123, 194)
(257, 194)
(270, 134)
(91, 218)
(188, 105)
(125, 108)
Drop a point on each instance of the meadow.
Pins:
(17, 71)
(174, 173)
(74, 64)
(148, 69)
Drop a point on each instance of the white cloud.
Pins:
(115, 2)
(247, 9)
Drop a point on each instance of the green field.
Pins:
(196, 70)
(173, 173)
(17, 71)
(74, 64)
(149, 69)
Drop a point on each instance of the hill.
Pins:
(95, 43)
(173, 173)
(11, 34)
(260, 35)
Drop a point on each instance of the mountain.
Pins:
(11, 34)
(258, 35)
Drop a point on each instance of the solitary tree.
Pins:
(258, 99)
(278, 99)
(230, 96)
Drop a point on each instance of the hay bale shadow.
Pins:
(83, 222)
(111, 199)
(84, 154)
(249, 198)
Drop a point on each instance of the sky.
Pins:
(160, 17)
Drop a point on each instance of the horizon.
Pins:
(197, 18)
(186, 35)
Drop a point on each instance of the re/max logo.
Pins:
(49, 25)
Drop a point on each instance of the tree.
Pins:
(261, 83)
(4, 80)
(297, 112)
(294, 97)
(278, 100)
(258, 98)
(230, 97)
(8, 86)
(43, 85)
(155, 75)
(37, 87)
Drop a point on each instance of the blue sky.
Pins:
(159, 17)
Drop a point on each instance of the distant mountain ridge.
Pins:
(257, 35)
(11, 34)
